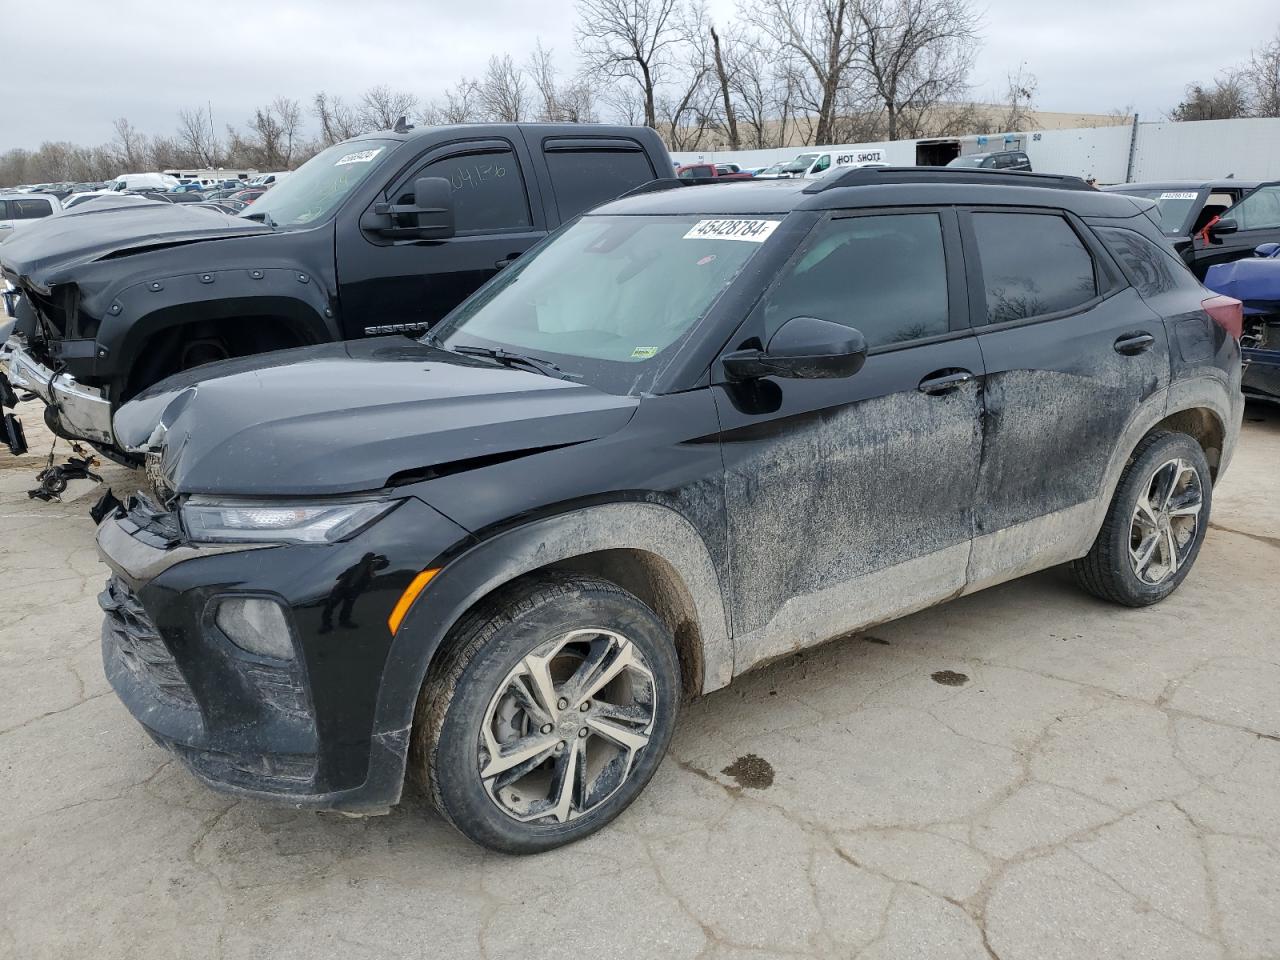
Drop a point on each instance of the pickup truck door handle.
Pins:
(944, 381)
(505, 261)
(1132, 344)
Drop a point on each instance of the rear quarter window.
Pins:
(1150, 267)
(32, 209)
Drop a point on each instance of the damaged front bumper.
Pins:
(310, 731)
(81, 412)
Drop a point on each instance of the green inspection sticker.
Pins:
(644, 353)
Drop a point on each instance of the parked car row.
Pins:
(646, 435)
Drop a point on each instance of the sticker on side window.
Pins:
(1179, 195)
(753, 231)
(360, 156)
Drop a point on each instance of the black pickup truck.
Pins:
(381, 234)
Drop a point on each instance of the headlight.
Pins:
(208, 520)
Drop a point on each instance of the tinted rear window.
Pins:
(1151, 268)
(32, 209)
(583, 179)
(1032, 264)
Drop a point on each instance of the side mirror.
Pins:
(1222, 227)
(430, 216)
(1267, 250)
(803, 348)
(433, 196)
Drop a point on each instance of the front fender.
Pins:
(502, 558)
(137, 312)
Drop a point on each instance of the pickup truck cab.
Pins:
(385, 233)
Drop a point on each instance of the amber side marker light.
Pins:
(418, 584)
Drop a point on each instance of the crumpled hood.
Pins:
(44, 251)
(348, 417)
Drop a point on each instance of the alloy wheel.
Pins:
(563, 730)
(1165, 522)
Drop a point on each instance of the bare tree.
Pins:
(1263, 76)
(381, 107)
(338, 120)
(915, 54)
(461, 104)
(1225, 99)
(503, 92)
(629, 41)
(288, 114)
(823, 36)
(571, 101)
(725, 65)
(1019, 100)
(130, 145)
(197, 139)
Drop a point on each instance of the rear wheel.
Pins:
(1155, 525)
(554, 704)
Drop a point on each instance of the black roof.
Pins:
(873, 187)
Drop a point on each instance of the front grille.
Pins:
(139, 645)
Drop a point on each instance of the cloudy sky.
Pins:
(94, 61)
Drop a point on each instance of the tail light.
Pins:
(1226, 312)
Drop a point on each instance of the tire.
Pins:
(471, 711)
(1114, 568)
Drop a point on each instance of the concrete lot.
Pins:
(1024, 774)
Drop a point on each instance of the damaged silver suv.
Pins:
(694, 430)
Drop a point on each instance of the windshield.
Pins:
(609, 298)
(800, 163)
(1174, 206)
(315, 189)
(972, 161)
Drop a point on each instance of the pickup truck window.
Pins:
(315, 189)
(32, 209)
(488, 190)
(583, 179)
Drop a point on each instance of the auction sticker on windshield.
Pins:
(360, 156)
(753, 231)
(1178, 195)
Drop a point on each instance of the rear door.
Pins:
(1070, 351)
(850, 500)
(6, 224)
(584, 172)
(390, 285)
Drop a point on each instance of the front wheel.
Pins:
(1155, 525)
(552, 708)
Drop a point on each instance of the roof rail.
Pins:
(869, 176)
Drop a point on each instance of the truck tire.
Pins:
(551, 709)
(1154, 526)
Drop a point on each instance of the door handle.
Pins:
(505, 261)
(936, 384)
(1132, 344)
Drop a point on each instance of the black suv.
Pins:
(694, 430)
(1001, 160)
(380, 234)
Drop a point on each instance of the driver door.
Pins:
(391, 285)
(1258, 218)
(851, 500)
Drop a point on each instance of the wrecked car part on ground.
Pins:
(762, 416)
(382, 234)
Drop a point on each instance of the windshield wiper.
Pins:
(506, 357)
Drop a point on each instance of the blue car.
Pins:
(1255, 281)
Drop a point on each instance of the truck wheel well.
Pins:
(186, 345)
(650, 578)
(1204, 426)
